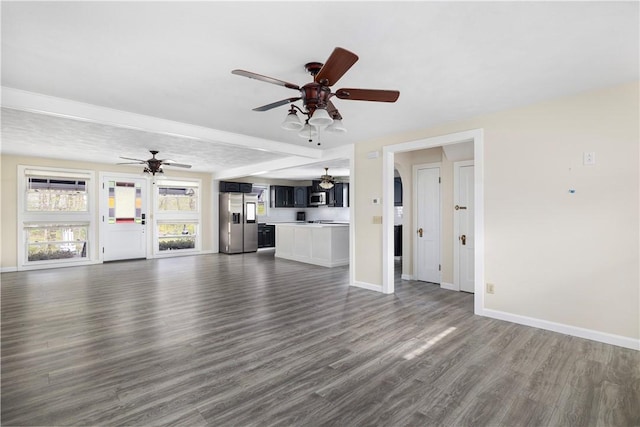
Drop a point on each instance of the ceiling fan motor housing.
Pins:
(315, 95)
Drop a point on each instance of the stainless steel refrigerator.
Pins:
(238, 223)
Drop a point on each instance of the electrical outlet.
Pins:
(491, 288)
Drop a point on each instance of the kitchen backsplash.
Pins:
(323, 213)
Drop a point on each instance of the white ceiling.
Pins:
(172, 61)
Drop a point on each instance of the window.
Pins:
(56, 241)
(262, 190)
(177, 217)
(56, 195)
(181, 198)
(125, 202)
(55, 216)
(174, 236)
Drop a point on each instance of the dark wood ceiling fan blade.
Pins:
(333, 111)
(178, 165)
(338, 63)
(277, 104)
(265, 79)
(368, 95)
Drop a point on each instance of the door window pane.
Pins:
(125, 202)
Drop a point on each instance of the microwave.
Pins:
(318, 199)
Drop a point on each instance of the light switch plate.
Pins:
(589, 158)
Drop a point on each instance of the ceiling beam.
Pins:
(43, 104)
(344, 152)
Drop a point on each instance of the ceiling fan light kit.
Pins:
(336, 126)
(292, 121)
(326, 180)
(316, 96)
(308, 131)
(320, 117)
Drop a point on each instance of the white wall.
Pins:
(570, 259)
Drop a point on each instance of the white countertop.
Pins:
(309, 224)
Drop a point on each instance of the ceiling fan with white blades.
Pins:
(153, 165)
(316, 95)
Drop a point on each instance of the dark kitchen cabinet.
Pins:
(266, 236)
(341, 195)
(300, 197)
(282, 196)
(397, 191)
(235, 187)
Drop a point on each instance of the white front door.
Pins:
(463, 201)
(123, 218)
(427, 229)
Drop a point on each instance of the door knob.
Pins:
(463, 238)
(460, 207)
(420, 231)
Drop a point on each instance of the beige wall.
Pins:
(8, 188)
(571, 259)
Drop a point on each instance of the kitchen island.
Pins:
(326, 245)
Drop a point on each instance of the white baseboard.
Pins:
(368, 286)
(406, 277)
(618, 340)
(449, 286)
(172, 254)
(8, 269)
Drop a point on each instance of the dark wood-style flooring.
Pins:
(249, 340)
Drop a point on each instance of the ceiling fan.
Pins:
(153, 165)
(316, 96)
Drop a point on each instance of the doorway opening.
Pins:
(475, 139)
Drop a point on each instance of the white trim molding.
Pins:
(476, 136)
(365, 285)
(618, 340)
(406, 277)
(449, 286)
(8, 269)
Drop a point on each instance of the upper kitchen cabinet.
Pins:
(282, 196)
(235, 187)
(300, 197)
(341, 195)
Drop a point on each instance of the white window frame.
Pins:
(26, 218)
(172, 217)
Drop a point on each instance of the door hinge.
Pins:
(103, 185)
(103, 249)
(439, 267)
(439, 180)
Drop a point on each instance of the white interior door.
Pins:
(124, 218)
(427, 260)
(463, 209)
